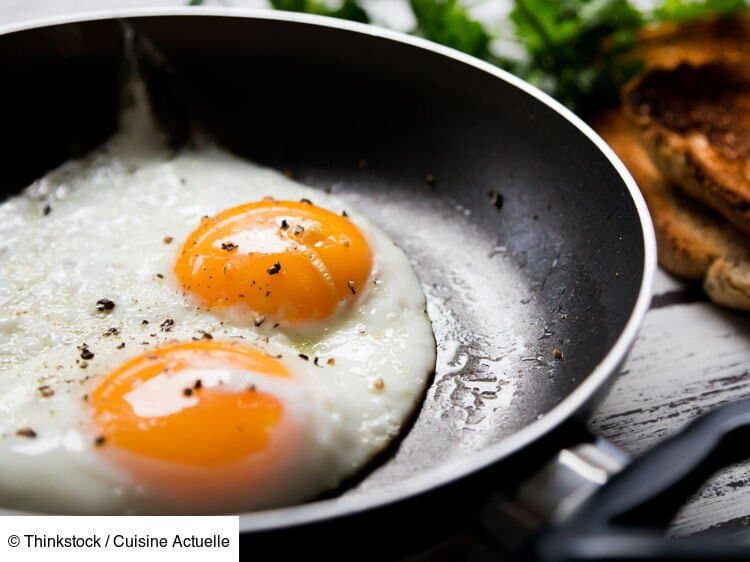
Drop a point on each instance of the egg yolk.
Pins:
(289, 262)
(187, 403)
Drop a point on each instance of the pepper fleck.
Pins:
(303, 356)
(273, 270)
(26, 432)
(46, 391)
(188, 392)
(100, 440)
(111, 332)
(167, 325)
(284, 224)
(299, 229)
(228, 246)
(305, 201)
(496, 199)
(168, 239)
(104, 305)
(352, 287)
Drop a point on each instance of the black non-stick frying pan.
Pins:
(532, 242)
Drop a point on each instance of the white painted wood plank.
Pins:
(666, 283)
(688, 359)
(12, 11)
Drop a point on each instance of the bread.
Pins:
(693, 242)
(695, 123)
(726, 282)
(667, 45)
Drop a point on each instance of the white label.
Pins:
(114, 539)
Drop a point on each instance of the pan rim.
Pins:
(318, 511)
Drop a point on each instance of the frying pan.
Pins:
(532, 243)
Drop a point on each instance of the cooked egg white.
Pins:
(103, 338)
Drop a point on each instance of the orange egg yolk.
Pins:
(289, 262)
(178, 404)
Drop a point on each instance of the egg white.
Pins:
(96, 228)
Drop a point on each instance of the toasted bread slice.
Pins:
(667, 45)
(726, 282)
(693, 242)
(695, 123)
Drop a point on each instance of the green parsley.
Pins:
(348, 10)
(685, 10)
(575, 46)
(448, 22)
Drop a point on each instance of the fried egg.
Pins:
(193, 333)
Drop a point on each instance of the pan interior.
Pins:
(528, 288)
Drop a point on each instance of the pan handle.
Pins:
(627, 517)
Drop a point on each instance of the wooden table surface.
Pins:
(690, 355)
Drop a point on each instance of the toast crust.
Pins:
(727, 284)
(667, 45)
(693, 242)
(695, 123)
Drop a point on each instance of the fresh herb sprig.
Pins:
(348, 9)
(449, 23)
(686, 10)
(575, 47)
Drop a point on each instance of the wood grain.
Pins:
(688, 359)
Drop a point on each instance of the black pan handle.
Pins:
(627, 517)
